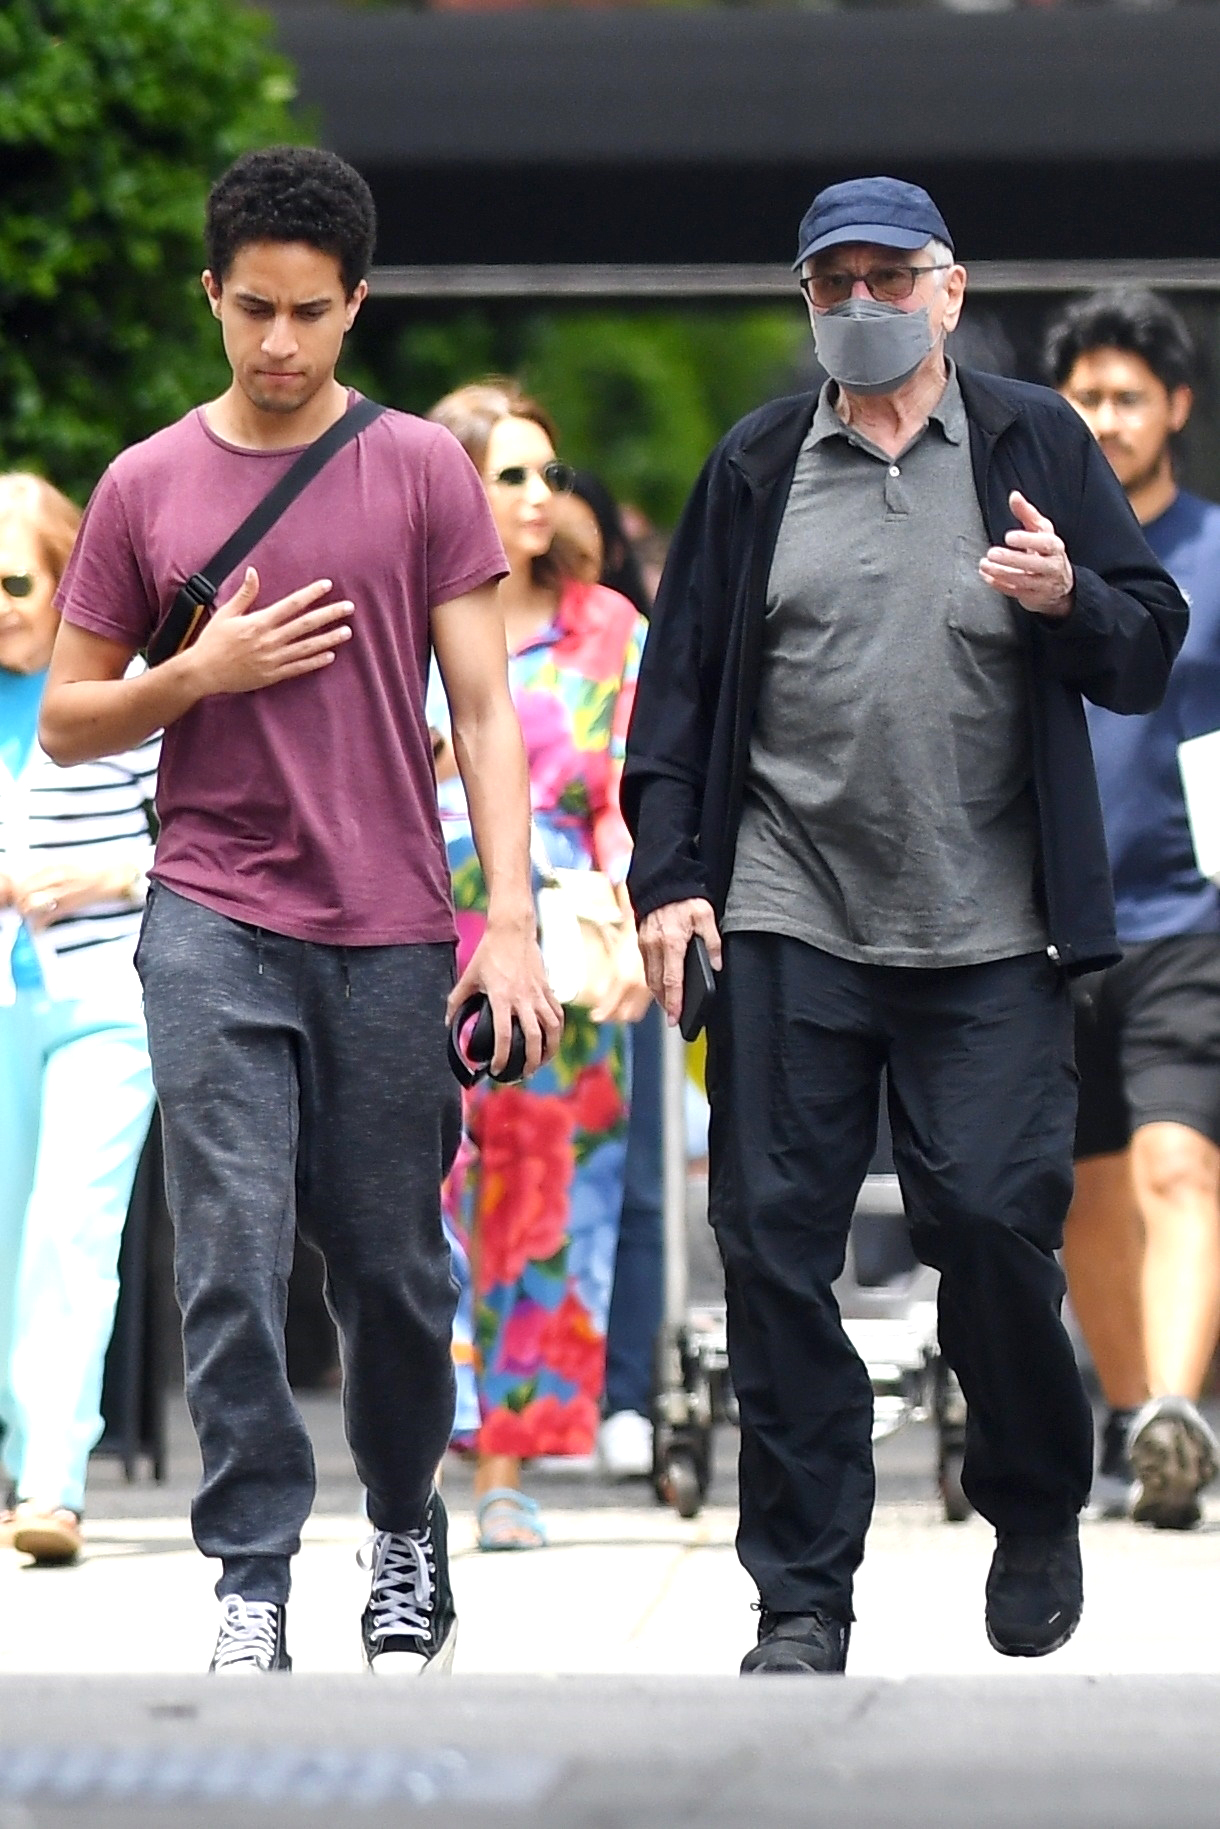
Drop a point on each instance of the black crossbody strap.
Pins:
(197, 597)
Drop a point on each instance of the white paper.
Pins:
(52, 968)
(10, 921)
(1199, 766)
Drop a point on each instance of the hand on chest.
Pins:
(881, 560)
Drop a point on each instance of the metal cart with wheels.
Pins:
(692, 1361)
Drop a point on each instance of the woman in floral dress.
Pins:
(534, 1199)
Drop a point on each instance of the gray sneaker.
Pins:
(1174, 1455)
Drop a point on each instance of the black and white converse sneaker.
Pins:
(410, 1625)
(252, 1637)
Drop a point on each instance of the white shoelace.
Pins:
(248, 1632)
(404, 1581)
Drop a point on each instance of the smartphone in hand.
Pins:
(698, 988)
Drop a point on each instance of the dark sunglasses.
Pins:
(889, 285)
(17, 584)
(559, 478)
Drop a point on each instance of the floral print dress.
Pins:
(532, 1205)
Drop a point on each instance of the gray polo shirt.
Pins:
(889, 815)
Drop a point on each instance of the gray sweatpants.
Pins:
(302, 1085)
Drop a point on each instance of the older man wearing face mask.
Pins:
(859, 768)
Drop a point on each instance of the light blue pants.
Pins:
(75, 1102)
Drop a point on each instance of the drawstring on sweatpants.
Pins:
(347, 982)
(258, 948)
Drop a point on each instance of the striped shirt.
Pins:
(95, 814)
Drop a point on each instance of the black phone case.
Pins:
(698, 989)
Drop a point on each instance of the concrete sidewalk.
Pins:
(625, 1587)
(594, 1684)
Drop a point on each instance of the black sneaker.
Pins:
(796, 1644)
(1114, 1484)
(1035, 1592)
(410, 1625)
(1175, 1456)
(252, 1637)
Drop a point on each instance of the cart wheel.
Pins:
(682, 1484)
(957, 1506)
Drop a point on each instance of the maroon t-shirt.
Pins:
(308, 808)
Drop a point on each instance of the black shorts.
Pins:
(1148, 1043)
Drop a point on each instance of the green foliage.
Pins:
(115, 116)
(640, 397)
(643, 399)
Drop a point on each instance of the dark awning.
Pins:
(710, 86)
(645, 135)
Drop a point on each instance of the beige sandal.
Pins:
(51, 1535)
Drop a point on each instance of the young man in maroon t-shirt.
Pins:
(297, 953)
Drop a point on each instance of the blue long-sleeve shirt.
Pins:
(1158, 891)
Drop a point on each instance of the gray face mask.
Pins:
(871, 348)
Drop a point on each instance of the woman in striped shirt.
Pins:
(75, 1085)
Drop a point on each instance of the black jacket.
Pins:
(688, 748)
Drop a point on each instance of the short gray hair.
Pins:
(940, 253)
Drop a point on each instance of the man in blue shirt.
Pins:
(1142, 1242)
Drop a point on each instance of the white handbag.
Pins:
(580, 926)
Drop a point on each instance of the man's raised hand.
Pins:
(1032, 565)
(241, 649)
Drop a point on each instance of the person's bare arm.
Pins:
(89, 709)
(468, 636)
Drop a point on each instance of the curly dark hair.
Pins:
(1129, 318)
(292, 193)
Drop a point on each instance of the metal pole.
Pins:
(673, 1120)
(673, 280)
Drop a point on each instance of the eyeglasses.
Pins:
(889, 285)
(1128, 402)
(559, 478)
(17, 584)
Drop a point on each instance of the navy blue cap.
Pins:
(887, 211)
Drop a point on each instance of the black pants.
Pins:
(982, 1104)
(302, 1085)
